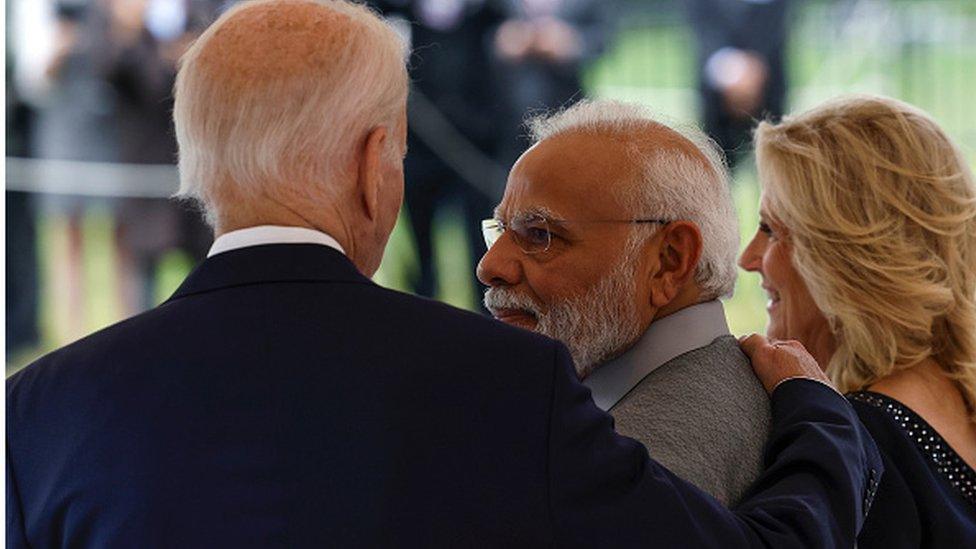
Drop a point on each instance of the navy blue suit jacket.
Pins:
(281, 399)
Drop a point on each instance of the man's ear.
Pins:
(678, 255)
(369, 182)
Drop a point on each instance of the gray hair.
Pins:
(672, 184)
(246, 128)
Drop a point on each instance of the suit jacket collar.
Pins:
(270, 263)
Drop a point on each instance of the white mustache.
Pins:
(497, 299)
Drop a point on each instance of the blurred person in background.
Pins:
(539, 51)
(76, 110)
(741, 67)
(867, 248)
(146, 39)
(101, 74)
(454, 122)
(623, 238)
(21, 222)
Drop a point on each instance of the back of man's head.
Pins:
(276, 95)
(680, 175)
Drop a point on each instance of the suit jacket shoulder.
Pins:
(281, 396)
(704, 416)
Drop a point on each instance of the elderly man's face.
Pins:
(584, 289)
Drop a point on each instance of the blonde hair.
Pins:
(880, 207)
(280, 92)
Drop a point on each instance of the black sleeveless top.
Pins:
(927, 496)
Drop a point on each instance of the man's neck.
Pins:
(688, 296)
(278, 214)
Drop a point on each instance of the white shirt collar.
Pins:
(271, 234)
(665, 339)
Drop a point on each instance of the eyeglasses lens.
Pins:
(531, 234)
(492, 230)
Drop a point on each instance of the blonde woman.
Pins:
(867, 249)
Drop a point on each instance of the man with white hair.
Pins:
(623, 237)
(282, 399)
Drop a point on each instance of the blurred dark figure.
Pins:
(21, 224)
(741, 73)
(74, 122)
(106, 98)
(21, 241)
(147, 37)
(453, 121)
(539, 51)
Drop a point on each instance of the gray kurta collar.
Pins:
(666, 338)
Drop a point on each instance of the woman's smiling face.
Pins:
(792, 312)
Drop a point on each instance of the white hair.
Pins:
(672, 184)
(293, 119)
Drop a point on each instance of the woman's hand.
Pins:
(777, 361)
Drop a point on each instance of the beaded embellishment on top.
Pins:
(930, 443)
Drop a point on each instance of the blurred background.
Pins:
(91, 237)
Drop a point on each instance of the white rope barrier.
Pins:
(97, 179)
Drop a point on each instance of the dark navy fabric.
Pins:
(281, 399)
(917, 505)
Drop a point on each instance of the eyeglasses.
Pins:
(531, 233)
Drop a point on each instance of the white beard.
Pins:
(597, 325)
